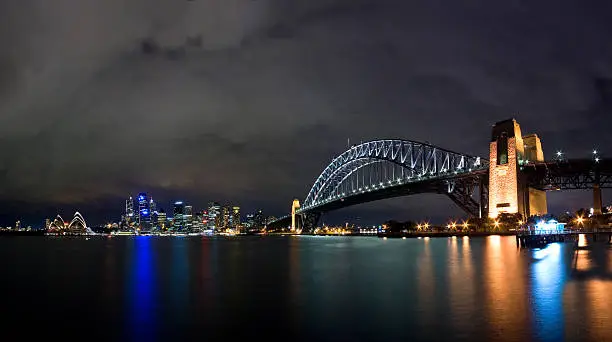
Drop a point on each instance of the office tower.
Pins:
(260, 219)
(250, 220)
(162, 220)
(178, 213)
(153, 211)
(144, 213)
(235, 219)
(188, 218)
(225, 214)
(214, 215)
(129, 210)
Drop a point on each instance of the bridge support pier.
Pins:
(482, 197)
(294, 207)
(597, 201)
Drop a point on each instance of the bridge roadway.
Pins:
(569, 174)
(458, 187)
(436, 185)
(428, 169)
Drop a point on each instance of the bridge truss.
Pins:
(569, 174)
(388, 168)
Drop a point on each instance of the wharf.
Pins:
(541, 238)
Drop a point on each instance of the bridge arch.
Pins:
(415, 162)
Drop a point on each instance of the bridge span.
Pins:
(514, 179)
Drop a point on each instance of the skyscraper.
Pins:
(260, 220)
(129, 209)
(178, 213)
(250, 221)
(144, 213)
(161, 220)
(235, 216)
(225, 215)
(188, 218)
(152, 205)
(214, 216)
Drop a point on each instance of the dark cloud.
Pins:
(249, 100)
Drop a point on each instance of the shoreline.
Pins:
(444, 234)
(380, 235)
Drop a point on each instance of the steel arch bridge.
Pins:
(389, 168)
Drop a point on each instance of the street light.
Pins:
(580, 220)
(465, 225)
(496, 223)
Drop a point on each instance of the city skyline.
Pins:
(157, 100)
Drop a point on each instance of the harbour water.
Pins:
(303, 288)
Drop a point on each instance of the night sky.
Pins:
(100, 100)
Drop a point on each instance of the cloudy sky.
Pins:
(248, 100)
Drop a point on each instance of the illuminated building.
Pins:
(144, 213)
(250, 221)
(129, 210)
(203, 217)
(153, 211)
(508, 192)
(214, 216)
(161, 220)
(178, 212)
(188, 217)
(225, 216)
(260, 220)
(235, 218)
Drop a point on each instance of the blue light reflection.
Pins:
(548, 276)
(141, 292)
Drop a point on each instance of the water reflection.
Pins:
(426, 282)
(357, 289)
(204, 289)
(587, 299)
(179, 286)
(548, 279)
(506, 302)
(141, 323)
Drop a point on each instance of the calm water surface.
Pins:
(303, 288)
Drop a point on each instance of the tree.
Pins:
(508, 221)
